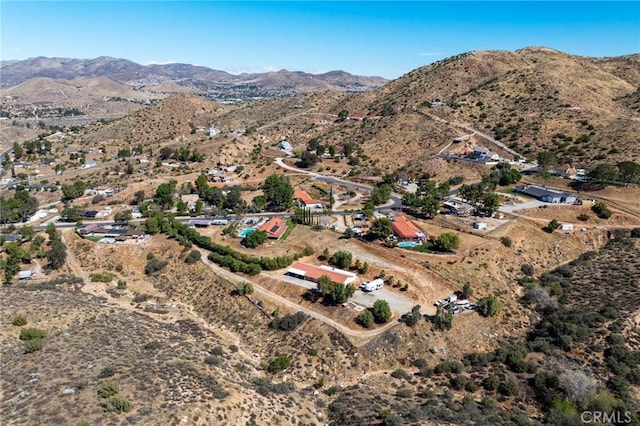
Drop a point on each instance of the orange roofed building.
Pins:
(274, 228)
(313, 273)
(306, 200)
(405, 230)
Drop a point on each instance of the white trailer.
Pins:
(376, 284)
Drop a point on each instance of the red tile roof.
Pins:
(274, 228)
(405, 229)
(301, 195)
(314, 273)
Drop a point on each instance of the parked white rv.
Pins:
(376, 284)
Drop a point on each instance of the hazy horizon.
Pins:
(386, 39)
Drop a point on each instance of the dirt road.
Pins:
(292, 305)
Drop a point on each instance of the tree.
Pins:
(381, 311)
(278, 192)
(381, 194)
(604, 172)
(601, 210)
(307, 160)
(443, 318)
(412, 318)
(343, 115)
(244, 288)
(546, 159)
(489, 306)
(255, 238)
(151, 225)
(57, 254)
(202, 186)
(629, 171)
(334, 293)
(278, 364)
(123, 216)
(447, 241)
(490, 202)
(74, 190)
(138, 197)
(18, 151)
(341, 259)
(365, 319)
(381, 228)
(181, 207)
(552, 226)
(467, 291)
(164, 194)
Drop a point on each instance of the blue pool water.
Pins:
(246, 231)
(405, 244)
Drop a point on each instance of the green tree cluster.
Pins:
(17, 208)
(278, 192)
(255, 238)
(334, 293)
(342, 259)
(74, 190)
(381, 311)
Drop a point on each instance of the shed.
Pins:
(24, 275)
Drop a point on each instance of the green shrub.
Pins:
(19, 320)
(509, 388)
(381, 311)
(33, 345)
(244, 288)
(490, 383)
(233, 348)
(152, 345)
(193, 257)
(118, 404)
(213, 360)
(122, 284)
(365, 319)
(217, 351)
(506, 241)
(278, 364)
(154, 265)
(32, 333)
(288, 322)
(119, 267)
(101, 277)
(601, 210)
(108, 389)
(400, 374)
(489, 306)
(107, 372)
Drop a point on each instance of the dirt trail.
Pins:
(292, 305)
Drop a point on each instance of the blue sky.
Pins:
(367, 38)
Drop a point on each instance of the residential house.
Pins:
(547, 195)
(405, 230)
(313, 273)
(566, 171)
(274, 228)
(190, 200)
(458, 208)
(306, 201)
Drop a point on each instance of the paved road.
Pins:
(507, 208)
(394, 203)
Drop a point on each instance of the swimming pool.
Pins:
(246, 232)
(406, 244)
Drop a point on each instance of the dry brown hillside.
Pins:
(165, 121)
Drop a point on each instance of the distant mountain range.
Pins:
(217, 84)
